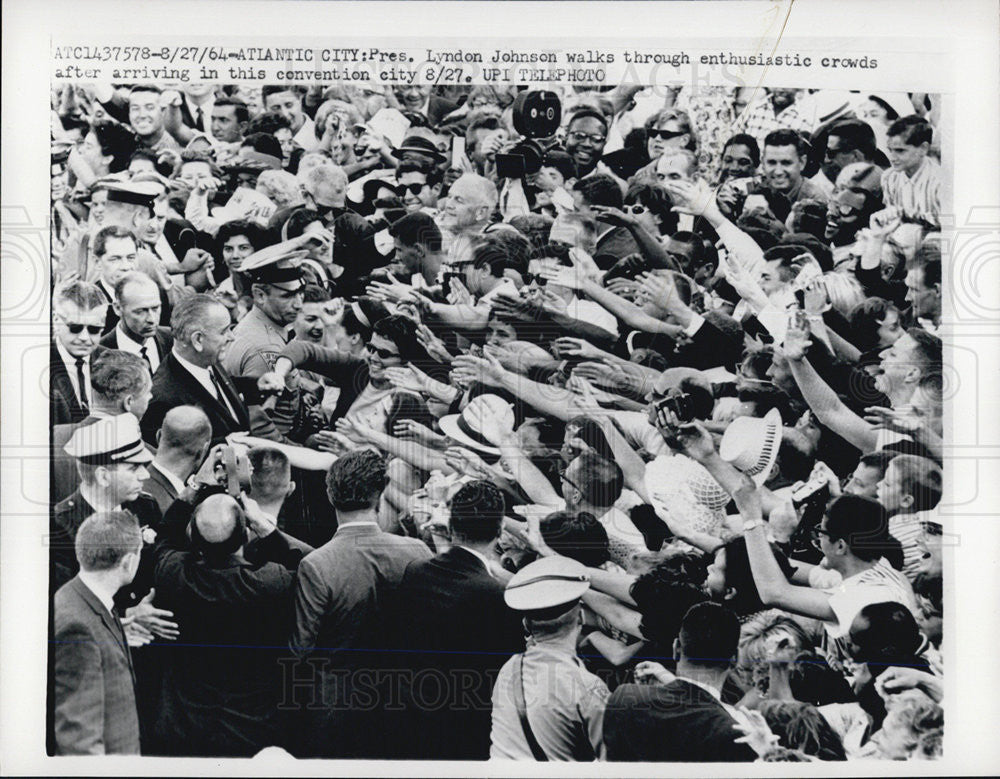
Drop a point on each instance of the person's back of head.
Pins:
(920, 479)
(884, 634)
(600, 189)
(118, 379)
(800, 726)
(356, 480)
(709, 636)
(577, 535)
(271, 476)
(218, 527)
(476, 512)
(185, 432)
(417, 228)
(863, 525)
(106, 539)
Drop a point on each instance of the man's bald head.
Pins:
(185, 431)
(217, 517)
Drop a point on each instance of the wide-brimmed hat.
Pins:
(751, 444)
(467, 427)
(419, 144)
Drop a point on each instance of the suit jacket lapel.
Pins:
(109, 621)
(60, 379)
(234, 397)
(193, 385)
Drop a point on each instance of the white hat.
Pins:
(467, 427)
(751, 444)
(547, 583)
(109, 441)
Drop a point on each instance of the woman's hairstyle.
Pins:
(577, 535)
(753, 656)
(865, 320)
(655, 198)
(664, 595)
(408, 405)
(116, 139)
(682, 120)
(800, 726)
(845, 291)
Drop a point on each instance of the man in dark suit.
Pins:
(221, 684)
(182, 443)
(78, 310)
(339, 589)
(116, 253)
(93, 684)
(137, 306)
(191, 374)
(120, 384)
(685, 719)
(453, 631)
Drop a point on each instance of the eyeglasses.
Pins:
(666, 135)
(817, 533)
(534, 278)
(578, 137)
(638, 209)
(413, 189)
(571, 483)
(385, 354)
(75, 328)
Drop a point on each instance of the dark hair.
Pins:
(601, 480)
(428, 168)
(534, 227)
(800, 726)
(143, 153)
(655, 198)
(578, 536)
(746, 599)
(100, 244)
(584, 112)
(116, 374)
(242, 111)
(864, 525)
(915, 130)
(928, 260)
(407, 405)
(263, 143)
(313, 293)
(878, 460)
(105, 538)
(743, 139)
(927, 350)
(297, 222)
(372, 310)
(516, 245)
(476, 511)
(403, 333)
(702, 399)
(415, 228)
(268, 122)
(255, 234)
(561, 161)
(786, 137)
(492, 256)
(591, 433)
(664, 594)
(865, 320)
(271, 472)
(356, 480)
(812, 680)
(890, 636)
(273, 89)
(116, 139)
(599, 189)
(709, 635)
(854, 135)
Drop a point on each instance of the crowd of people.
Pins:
(385, 427)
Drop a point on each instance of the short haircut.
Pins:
(82, 294)
(702, 400)
(534, 227)
(928, 261)
(253, 232)
(854, 135)
(516, 246)
(561, 161)
(586, 112)
(242, 111)
(145, 88)
(273, 89)
(480, 120)
(144, 154)
(116, 374)
(784, 254)
(921, 478)
(785, 137)
(268, 122)
(105, 538)
(491, 256)
(690, 161)
(927, 350)
(185, 429)
(107, 232)
(476, 511)
(914, 130)
(709, 635)
(864, 525)
(600, 189)
(313, 293)
(743, 139)
(488, 193)
(865, 320)
(415, 228)
(877, 460)
(891, 634)
(264, 143)
(189, 314)
(133, 278)
(323, 174)
(577, 535)
(271, 473)
(356, 480)
(600, 480)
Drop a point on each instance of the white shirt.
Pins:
(206, 113)
(170, 476)
(306, 136)
(486, 563)
(204, 378)
(126, 344)
(70, 362)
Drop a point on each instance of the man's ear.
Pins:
(677, 649)
(158, 432)
(117, 308)
(291, 488)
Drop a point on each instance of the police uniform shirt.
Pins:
(565, 705)
(257, 344)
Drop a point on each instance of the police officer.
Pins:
(546, 704)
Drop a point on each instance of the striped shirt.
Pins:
(918, 197)
(908, 530)
(760, 119)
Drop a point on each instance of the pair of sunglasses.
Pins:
(637, 209)
(76, 328)
(413, 189)
(665, 135)
(534, 278)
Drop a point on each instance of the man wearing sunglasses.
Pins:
(79, 311)
(419, 186)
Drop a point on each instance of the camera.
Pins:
(682, 409)
(237, 472)
(811, 490)
(536, 114)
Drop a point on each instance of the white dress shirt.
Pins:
(127, 344)
(70, 362)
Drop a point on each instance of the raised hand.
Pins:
(156, 621)
(696, 440)
(691, 197)
(486, 370)
(577, 347)
(896, 420)
(797, 340)
(613, 216)
(433, 345)
(651, 672)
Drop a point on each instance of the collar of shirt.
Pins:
(206, 111)
(201, 374)
(480, 555)
(128, 344)
(175, 481)
(70, 362)
(361, 523)
(717, 694)
(90, 584)
(267, 323)
(306, 136)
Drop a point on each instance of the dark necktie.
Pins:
(198, 123)
(144, 353)
(82, 381)
(223, 399)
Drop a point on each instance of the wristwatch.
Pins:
(753, 524)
